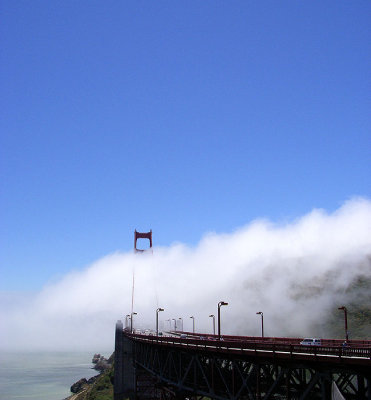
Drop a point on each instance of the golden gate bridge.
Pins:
(190, 365)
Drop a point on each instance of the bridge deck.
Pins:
(191, 365)
(356, 353)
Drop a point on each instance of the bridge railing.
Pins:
(335, 353)
(285, 340)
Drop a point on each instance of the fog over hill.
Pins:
(298, 273)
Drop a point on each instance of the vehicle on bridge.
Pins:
(311, 342)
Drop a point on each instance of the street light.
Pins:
(126, 321)
(345, 322)
(173, 319)
(213, 317)
(260, 312)
(221, 303)
(157, 311)
(182, 322)
(131, 321)
(193, 318)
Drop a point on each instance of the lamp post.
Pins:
(213, 317)
(131, 321)
(193, 319)
(221, 303)
(157, 311)
(181, 319)
(345, 322)
(173, 319)
(126, 321)
(261, 313)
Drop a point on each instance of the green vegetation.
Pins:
(356, 297)
(359, 311)
(101, 389)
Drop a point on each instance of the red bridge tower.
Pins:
(142, 235)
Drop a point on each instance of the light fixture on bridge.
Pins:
(345, 321)
(173, 319)
(193, 318)
(221, 303)
(126, 321)
(131, 321)
(262, 321)
(213, 317)
(181, 319)
(157, 311)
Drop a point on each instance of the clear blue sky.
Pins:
(178, 116)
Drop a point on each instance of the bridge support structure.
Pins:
(190, 374)
(124, 376)
(170, 368)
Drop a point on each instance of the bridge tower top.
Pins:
(142, 235)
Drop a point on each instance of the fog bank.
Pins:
(295, 272)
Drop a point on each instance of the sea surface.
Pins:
(42, 376)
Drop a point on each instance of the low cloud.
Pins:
(296, 273)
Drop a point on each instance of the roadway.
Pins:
(332, 351)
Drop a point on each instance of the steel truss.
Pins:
(189, 374)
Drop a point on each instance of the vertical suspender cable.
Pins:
(132, 295)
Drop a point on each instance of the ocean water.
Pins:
(42, 376)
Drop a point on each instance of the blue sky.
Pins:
(181, 117)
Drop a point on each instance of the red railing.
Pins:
(331, 350)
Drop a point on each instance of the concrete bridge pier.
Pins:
(124, 378)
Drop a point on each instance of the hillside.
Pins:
(100, 389)
(357, 299)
